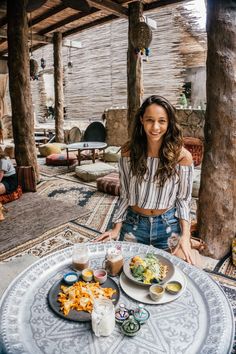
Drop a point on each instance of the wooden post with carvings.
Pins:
(58, 87)
(134, 66)
(217, 224)
(19, 85)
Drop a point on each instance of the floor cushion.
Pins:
(61, 159)
(49, 149)
(109, 184)
(112, 154)
(6, 198)
(195, 146)
(93, 171)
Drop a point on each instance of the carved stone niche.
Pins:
(116, 126)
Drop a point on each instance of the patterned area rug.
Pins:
(53, 240)
(30, 218)
(100, 205)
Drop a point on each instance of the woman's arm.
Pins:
(1, 175)
(183, 203)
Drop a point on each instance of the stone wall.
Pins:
(191, 121)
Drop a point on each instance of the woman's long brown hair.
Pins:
(170, 148)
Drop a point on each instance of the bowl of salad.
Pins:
(148, 269)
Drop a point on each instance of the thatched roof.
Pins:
(55, 15)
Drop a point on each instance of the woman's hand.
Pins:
(107, 236)
(184, 246)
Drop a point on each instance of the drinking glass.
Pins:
(80, 256)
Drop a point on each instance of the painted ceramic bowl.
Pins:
(70, 278)
(100, 275)
(156, 292)
(173, 287)
(87, 274)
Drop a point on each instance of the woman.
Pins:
(8, 177)
(156, 174)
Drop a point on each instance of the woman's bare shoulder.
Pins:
(185, 158)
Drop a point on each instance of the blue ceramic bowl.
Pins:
(70, 278)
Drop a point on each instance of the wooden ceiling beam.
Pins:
(110, 6)
(160, 3)
(51, 12)
(35, 37)
(89, 25)
(67, 20)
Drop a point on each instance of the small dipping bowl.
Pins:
(100, 275)
(87, 274)
(156, 292)
(173, 287)
(70, 278)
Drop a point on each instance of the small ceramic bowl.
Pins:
(100, 275)
(87, 274)
(173, 287)
(156, 292)
(70, 278)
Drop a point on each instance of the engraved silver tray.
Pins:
(200, 321)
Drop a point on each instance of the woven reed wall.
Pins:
(99, 76)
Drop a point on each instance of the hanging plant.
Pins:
(33, 69)
(141, 36)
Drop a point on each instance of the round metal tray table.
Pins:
(200, 321)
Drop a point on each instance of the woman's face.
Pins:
(155, 122)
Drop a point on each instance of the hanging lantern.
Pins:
(33, 69)
(70, 64)
(43, 63)
(141, 35)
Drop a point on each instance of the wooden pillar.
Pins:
(19, 85)
(58, 87)
(134, 66)
(217, 199)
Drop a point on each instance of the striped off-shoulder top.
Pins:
(176, 191)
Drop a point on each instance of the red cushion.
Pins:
(195, 146)
(6, 198)
(61, 159)
(109, 183)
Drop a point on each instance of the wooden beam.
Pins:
(134, 66)
(110, 6)
(89, 25)
(35, 37)
(160, 3)
(19, 85)
(67, 20)
(58, 86)
(47, 14)
(217, 197)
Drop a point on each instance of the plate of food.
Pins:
(75, 302)
(147, 269)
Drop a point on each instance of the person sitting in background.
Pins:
(8, 177)
(156, 174)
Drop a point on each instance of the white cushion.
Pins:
(112, 154)
(92, 171)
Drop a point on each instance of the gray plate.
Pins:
(163, 260)
(73, 315)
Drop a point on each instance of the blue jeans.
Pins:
(150, 230)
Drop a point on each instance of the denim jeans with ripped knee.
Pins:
(150, 230)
